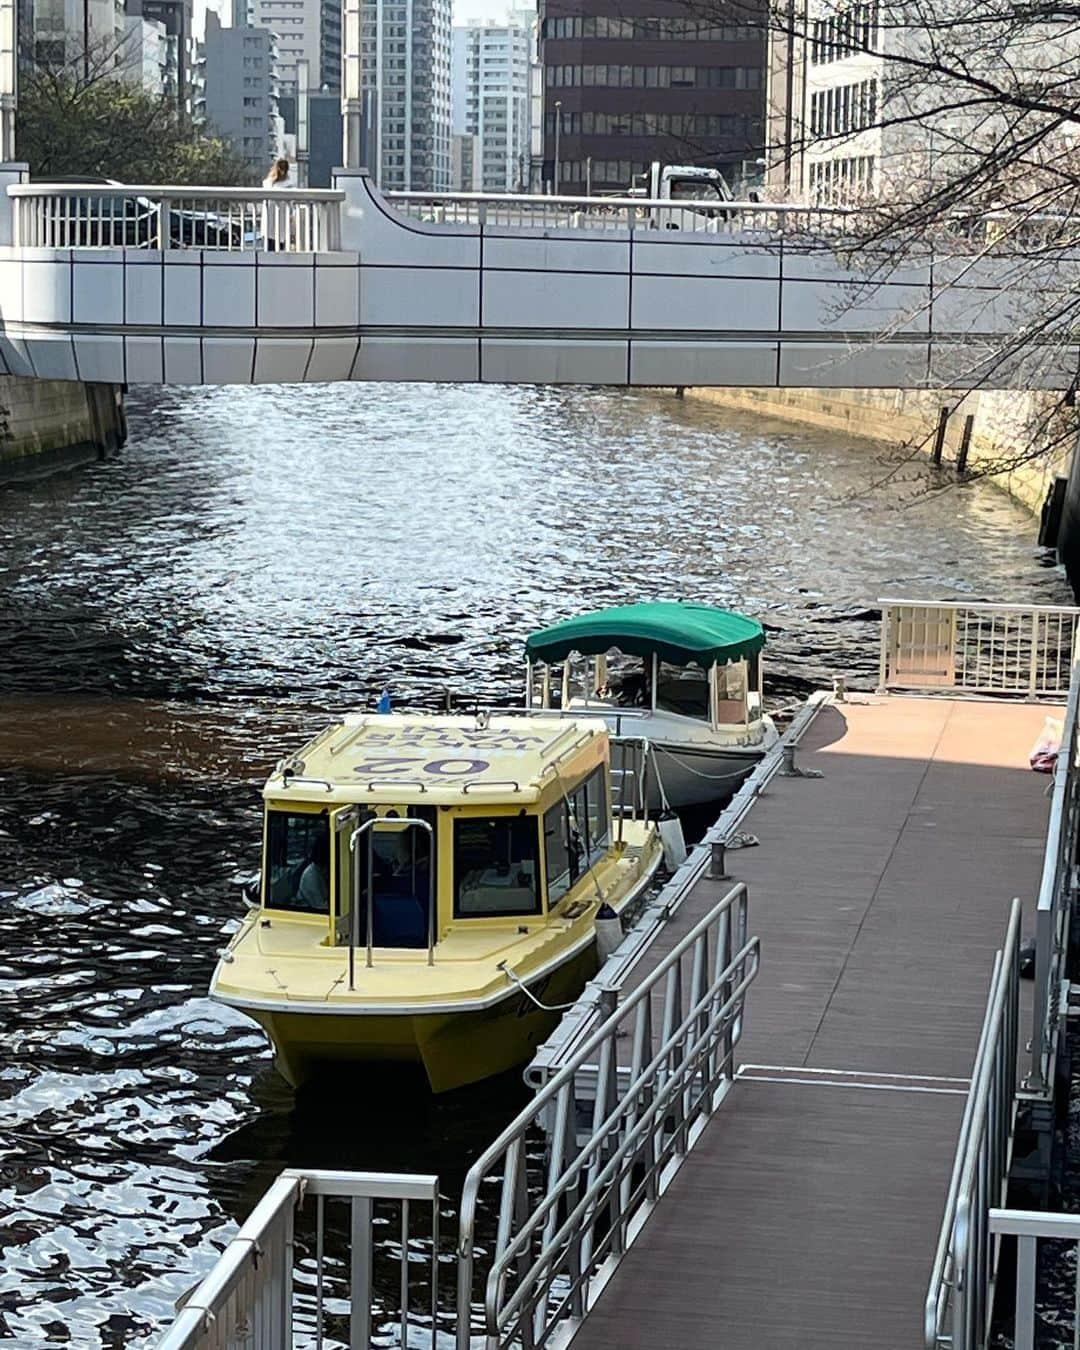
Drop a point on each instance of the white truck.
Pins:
(701, 191)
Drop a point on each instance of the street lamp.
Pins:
(558, 121)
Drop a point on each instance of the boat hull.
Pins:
(693, 775)
(455, 1049)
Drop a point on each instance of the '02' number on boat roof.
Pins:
(415, 766)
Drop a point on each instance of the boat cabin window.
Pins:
(626, 681)
(683, 690)
(596, 812)
(731, 692)
(297, 873)
(577, 833)
(496, 866)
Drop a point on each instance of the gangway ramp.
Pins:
(807, 1213)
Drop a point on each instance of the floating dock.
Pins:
(807, 1213)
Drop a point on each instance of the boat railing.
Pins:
(1025, 650)
(271, 1277)
(960, 1296)
(564, 1226)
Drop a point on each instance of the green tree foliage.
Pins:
(78, 123)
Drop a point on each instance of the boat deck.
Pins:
(807, 1214)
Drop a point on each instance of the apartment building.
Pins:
(405, 85)
(241, 92)
(490, 82)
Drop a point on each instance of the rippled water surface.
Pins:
(260, 559)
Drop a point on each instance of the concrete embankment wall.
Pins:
(47, 425)
(1005, 424)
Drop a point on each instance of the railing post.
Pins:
(1033, 672)
(360, 1264)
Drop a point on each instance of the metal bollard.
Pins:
(717, 863)
(787, 761)
(839, 689)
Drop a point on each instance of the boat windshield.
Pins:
(496, 866)
(297, 871)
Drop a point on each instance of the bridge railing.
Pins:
(521, 211)
(1026, 650)
(960, 1296)
(248, 1298)
(237, 220)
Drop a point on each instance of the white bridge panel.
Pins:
(720, 363)
(426, 297)
(183, 360)
(576, 251)
(52, 356)
(144, 302)
(705, 304)
(228, 292)
(183, 292)
(145, 360)
(337, 292)
(228, 360)
(97, 358)
(332, 359)
(285, 290)
(823, 365)
(402, 358)
(97, 287)
(560, 361)
(565, 300)
(673, 253)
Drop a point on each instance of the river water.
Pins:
(256, 561)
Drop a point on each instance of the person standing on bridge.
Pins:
(276, 214)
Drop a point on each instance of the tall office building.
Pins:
(241, 96)
(307, 30)
(490, 81)
(632, 81)
(63, 30)
(825, 93)
(405, 68)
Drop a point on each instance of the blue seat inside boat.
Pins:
(400, 916)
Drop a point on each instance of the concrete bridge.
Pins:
(227, 286)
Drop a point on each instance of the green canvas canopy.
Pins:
(681, 634)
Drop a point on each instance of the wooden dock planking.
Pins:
(807, 1213)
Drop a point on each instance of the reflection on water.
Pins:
(257, 560)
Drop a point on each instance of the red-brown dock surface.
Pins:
(807, 1215)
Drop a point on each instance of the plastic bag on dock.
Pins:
(1044, 752)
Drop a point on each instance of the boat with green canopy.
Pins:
(685, 677)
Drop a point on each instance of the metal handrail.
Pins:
(978, 647)
(395, 825)
(959, 1296)
(172, 192)
(1053, 914)
(647, 1119)
(247, 1297)
(600, 203)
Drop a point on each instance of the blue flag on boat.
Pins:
(383, 704)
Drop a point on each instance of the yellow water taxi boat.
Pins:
(429, 893)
